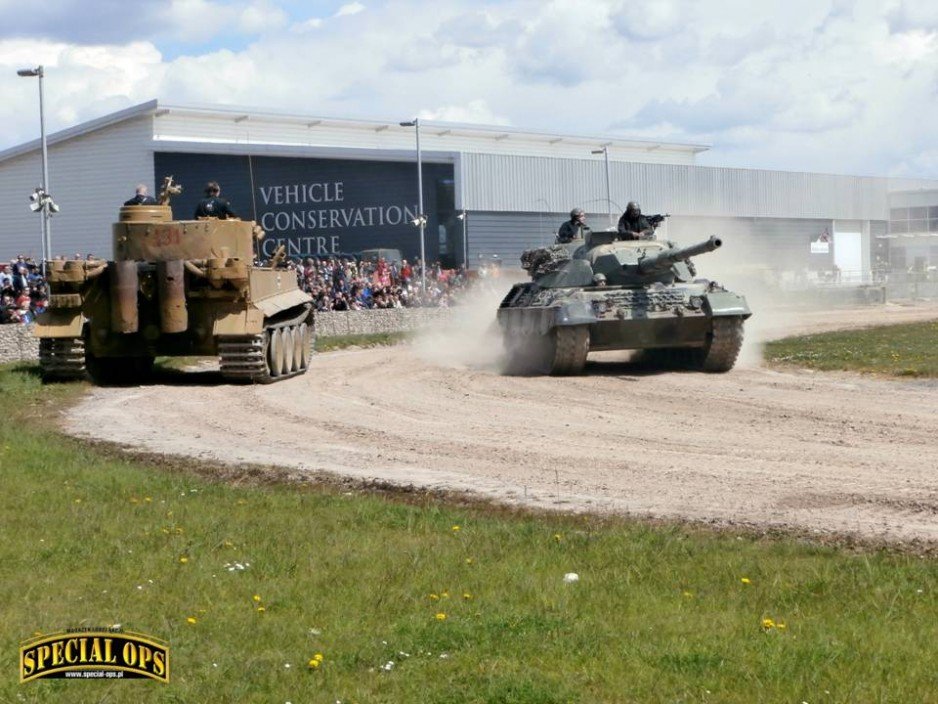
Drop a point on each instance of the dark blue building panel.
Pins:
(318, 207)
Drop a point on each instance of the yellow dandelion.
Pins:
(183, 560)
(456, 529)
(261, 609)
(77, 501)
(434, 597)
(256, 597)
(768, 623)
(466, 596)
(444, 595)
(318, 657)
(148, 500)
(781, 626)
(314, 663)
(440, 616)
(192, 620)
(746, 580)
(558, 537)
(134, 500)
(688, 595)
(469, 560)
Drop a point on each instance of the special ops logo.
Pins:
(94, 654)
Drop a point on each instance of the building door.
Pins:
(848, 255)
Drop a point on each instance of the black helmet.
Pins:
(576, 212)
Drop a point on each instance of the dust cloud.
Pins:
(743, 267)
(470, 338)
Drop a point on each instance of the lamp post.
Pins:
(45, 214)
(464, 217)
(605, 152)
(421, 218)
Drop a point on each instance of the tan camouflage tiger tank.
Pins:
(175, 288)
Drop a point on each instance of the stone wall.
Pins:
(17, 343)
(364, 322)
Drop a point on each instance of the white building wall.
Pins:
(90, 176)
(511, 183)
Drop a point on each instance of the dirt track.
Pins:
(826, 452)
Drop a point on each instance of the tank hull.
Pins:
(675, 317)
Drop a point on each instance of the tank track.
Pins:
(62, 358)
(571, 345)
(254, 358)
(719, 355)
(562, 352)
(725, 345)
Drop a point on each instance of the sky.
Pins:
(834, 86)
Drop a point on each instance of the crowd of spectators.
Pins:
(335, 283)
(23, 292)
(347, 283)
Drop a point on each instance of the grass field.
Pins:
(909, 350)
(410, 599)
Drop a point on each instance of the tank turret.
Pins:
(175, 288)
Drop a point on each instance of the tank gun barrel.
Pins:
(669, 257)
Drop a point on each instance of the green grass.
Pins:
(909, 350)
(660, 613)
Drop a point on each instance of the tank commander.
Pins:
(142, 197)
(573, 229)
(213, 205)
(633, 225)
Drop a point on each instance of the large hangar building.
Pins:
(324, 185)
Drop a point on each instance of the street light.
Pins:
(46, 200)
(464, 217)
(605, 152)
(421, 219)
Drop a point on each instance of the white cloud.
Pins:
(352, 8)
(474, 112)
(828, 85)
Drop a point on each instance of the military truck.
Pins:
(174, 288)
(610, 294)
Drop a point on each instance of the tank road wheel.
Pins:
(289, 344)
(275, 353)
(61, 358)
(571, 344)
(725, 342)
(301, 347)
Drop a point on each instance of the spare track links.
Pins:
(283, 350)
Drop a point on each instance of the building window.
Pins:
(917, 220)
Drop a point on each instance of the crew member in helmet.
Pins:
(633, 225)
(213, 205)
(573, 229)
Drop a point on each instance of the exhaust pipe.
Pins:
(171, 284)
